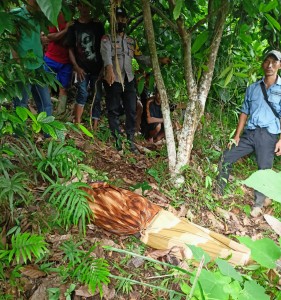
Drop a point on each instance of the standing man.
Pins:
(57, 60)
(83, 39)
(29, 52)
(262, 133)
(117, 54)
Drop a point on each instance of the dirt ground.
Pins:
(126, 170)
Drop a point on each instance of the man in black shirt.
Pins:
(84, 38)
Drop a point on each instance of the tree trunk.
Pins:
(169, 134)
(197, 94)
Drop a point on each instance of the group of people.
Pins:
(82, 48)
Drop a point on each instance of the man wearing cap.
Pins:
(262, 131)
(117, 54)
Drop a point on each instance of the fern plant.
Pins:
(13, 190)
(59, 161)
(85, 268)
(24, 246)
(71, 203)
(5, 163)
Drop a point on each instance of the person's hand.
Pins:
(278, 148)
(109, 75)
(68, 24)
(44, 39)
(80, 73)
(234, 141)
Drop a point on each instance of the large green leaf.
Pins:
(269, 6)
(267, 182)
(51, 9)
(177, 9)
(264, 251)
(5, 22)
(253, 291)
(274, 23)
(227, 269)
(214, 285)
(200, 41)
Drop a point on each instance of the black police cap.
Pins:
(120, 11)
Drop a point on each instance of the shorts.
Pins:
(63, 71)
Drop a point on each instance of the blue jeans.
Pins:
(96, 88)
(41, 96)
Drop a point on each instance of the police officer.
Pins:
(117, 54)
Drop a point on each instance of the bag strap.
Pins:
(266, 99)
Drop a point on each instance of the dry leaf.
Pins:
(108, 293)
(274, 223)
(136, 262)
(83, 292)
(57, 238)
(215, 223)
(246, 221)
(32, 272)
(135, 295)
(223, 213)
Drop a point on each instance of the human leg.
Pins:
(64, 76)
(130, 103)
(245, 147)
(23, 101)
(81, 99)
(96, 87)
(42, 98)
(112, 105)
(264, 148)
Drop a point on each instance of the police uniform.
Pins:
(124, 49)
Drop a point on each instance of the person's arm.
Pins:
(80, 72)
(56, 36)
(278, 145)
(239, 129)
(150, 119)
(105, 51)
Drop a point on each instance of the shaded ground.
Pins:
(228, 215)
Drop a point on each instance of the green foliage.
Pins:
(23, 246)
(85, 268)
(51, 9)
(144, 186)
(71, 203)
(267, 182)
(264, 251)
(59, 161)
(13, 190)
(23, 123)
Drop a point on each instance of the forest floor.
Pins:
(228, 215)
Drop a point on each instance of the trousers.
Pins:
(259, 141)
(115, 97)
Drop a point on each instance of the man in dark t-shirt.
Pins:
(84, 38)
(153, 129)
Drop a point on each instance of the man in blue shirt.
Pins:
(262, 131)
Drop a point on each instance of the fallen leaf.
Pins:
(32, 272)
(108, 293)
(223, 213)
(135, 295)
(57, 238)
(83, 292)
(274, 223)
(246, 221)
(136, 262)
(214, 221)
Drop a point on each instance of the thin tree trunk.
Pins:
(169, 134)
